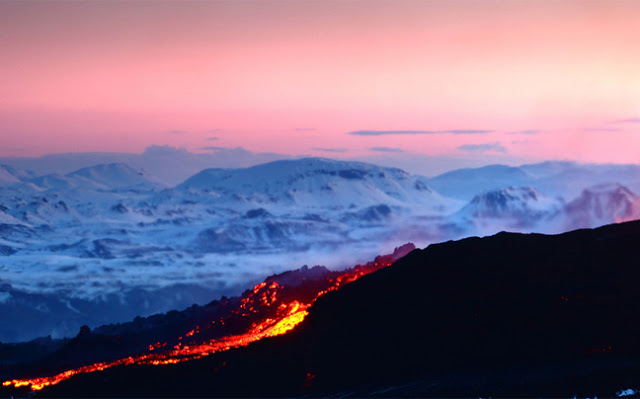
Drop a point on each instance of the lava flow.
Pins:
(271, 308)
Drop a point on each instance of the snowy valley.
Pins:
(108, 242)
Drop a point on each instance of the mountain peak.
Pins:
(465, 183)
(602, 204)
(10, 175)
(510, 207)
(503, 197)
(111, 176)
(316, 182)
(608, 188)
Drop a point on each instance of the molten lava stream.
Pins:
(263, 298)
(295, 313)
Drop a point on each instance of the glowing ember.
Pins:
(273, 306)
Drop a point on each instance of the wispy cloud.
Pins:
(602, 129)
(628, 120)
(304, 129)
(486, 147)
(466, 131)
(529, 131)
(415, 132)
(387, 132)
(212, 138)
(178, 131)
(337, 150)
(212, 148)
(386, 149)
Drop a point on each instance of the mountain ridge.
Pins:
(75, 240)
(314, 180)
(454, 319)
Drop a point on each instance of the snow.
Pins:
(4, 297)
(466, 183)
(511, 208)
(8, 219)
(602, 204)
(111, 176)
(87, 236)
(627, 392)
(83, 235)
(6, 177)
(169, 164)
(106, 230)
(554, 178)
(317, 183)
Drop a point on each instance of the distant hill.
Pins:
(553, 178)
(11, 175)
(171, 165)
(465, 183)
(111, 176)
(601, 204)
(509, 208)
(319, 182)
(110, 233)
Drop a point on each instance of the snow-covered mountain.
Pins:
(299, 205)
(41, 211)
(602, 204)
(466, 183)
(105, 232)
(318, 183)
(171, 165)
(11, 175)
(113, 176)
(554, 178)
(8, 219)
(54, 182)
(524, 203)
(112, 233)
(511, 208)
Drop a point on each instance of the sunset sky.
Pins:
(531, 80)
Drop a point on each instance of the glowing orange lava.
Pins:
(291, 315)
(274, 316)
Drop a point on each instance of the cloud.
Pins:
(212, 138)
(469, 131)
(629, 120)
(415, 132)
(386, 149)
(602, 129)
(529, 131)
(164, 150)
(330, 149)
(486, 147)
(212, 148)
(304, 129)
(179, 132)
(520, 141)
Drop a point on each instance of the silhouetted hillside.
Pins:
(507, 315)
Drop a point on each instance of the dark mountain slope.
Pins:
(507, 315)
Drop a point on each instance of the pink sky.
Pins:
(294, 76)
